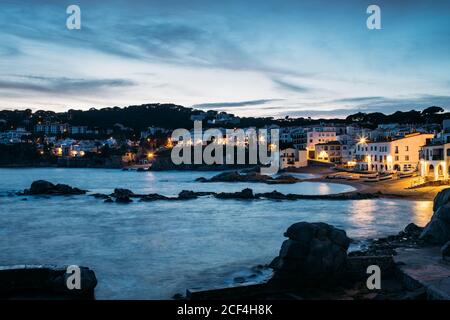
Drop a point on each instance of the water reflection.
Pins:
(362, 212)
(324, 188)
(422, 211)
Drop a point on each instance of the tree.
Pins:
(432, 110)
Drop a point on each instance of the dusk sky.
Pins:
(260, 58)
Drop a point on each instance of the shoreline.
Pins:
(388, 188)
(396, 188)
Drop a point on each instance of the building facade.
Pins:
(400, 154)
(291, 157)
(329, 152)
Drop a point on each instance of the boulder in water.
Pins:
(313, 252)
(43, 187)
(245, 194)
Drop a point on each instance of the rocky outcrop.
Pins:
(187, 195)
(409, 237)
(441, 198)
(413, 230)
(437, 231)
(249, 176)
(313, 253)
(125, 196)
(122, 193)
(44, 282)
(153, 197)
(245, 194)
(42, 187)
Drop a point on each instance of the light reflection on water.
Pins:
(152, 250)
(422, 210)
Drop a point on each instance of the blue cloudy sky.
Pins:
(267, 58)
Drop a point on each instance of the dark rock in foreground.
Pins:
(437, 231)
(44, 282)
(314, 253)
(42, 187)
(413, 230)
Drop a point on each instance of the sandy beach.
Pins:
(390, 188)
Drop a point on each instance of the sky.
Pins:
(250, 58)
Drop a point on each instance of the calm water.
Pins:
(153, 250)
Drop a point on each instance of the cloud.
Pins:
(370, 104)
(387, 104)
(290, 86)
(219, 105)
(60, 85)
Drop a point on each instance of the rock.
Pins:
(108, 200)
(441, 198)
(123, 199)
(249, 176)
(244, 194)
(413, 230)
(232, 176)
(122, 193)
(443, 213)
(445, 250)
(437, 231)
(100, 196)
(286, 179)
(293, 249)
(187, 195)
(274, 195)
(44, 282)
(314, 252)
(255, 177)
(42, 187)
(301, 231)
(153, 197)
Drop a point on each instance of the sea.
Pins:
(153, 250)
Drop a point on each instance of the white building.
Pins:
(400, 154)
(435, 156)
(316, 136)
(291, 157)
(329, 152)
